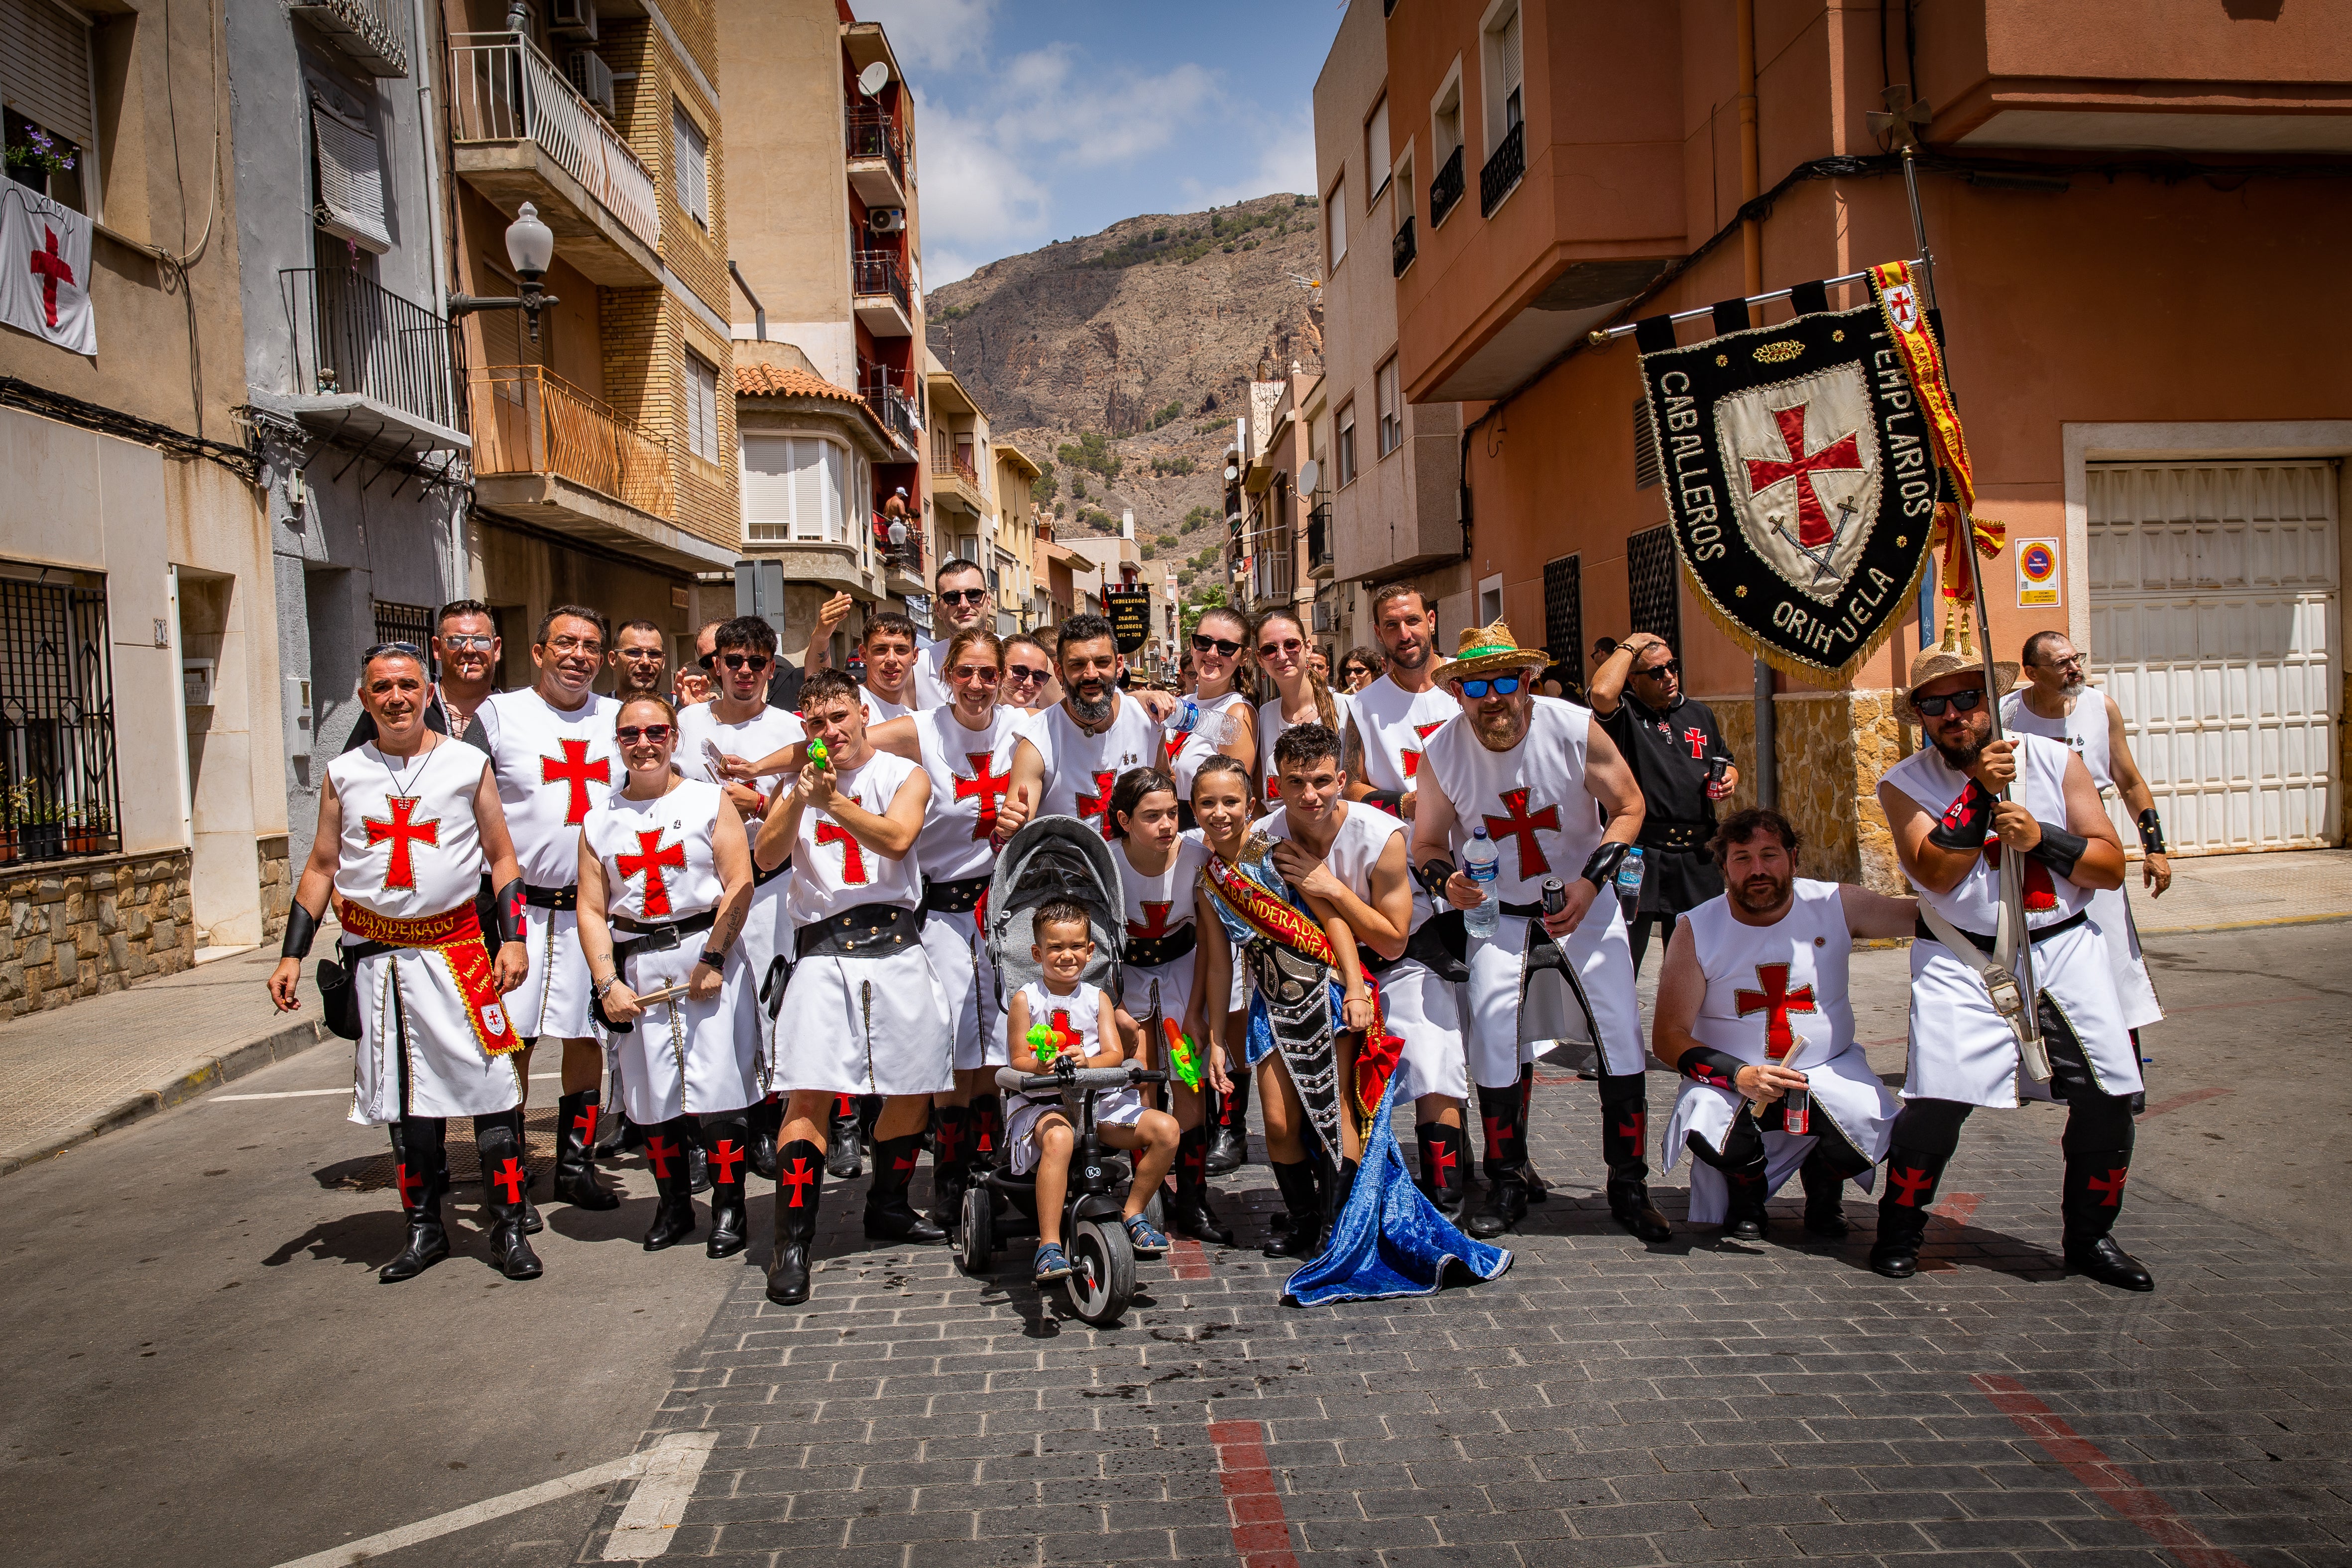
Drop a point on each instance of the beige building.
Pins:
(961, 498)
(1012, 553)
(142, 810)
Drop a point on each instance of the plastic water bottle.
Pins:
(1187, 717)
(1628, 882)
(1478, 858)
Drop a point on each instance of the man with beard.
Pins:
(1529, 770)
(1679, 759)
(640, 665)
(1752, 1009)
(1066, 761)
(2053, 703)
(1391, 719)
(1950, 828)
(466, 650)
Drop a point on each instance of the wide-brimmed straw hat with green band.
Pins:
(1492, 650)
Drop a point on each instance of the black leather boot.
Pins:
(841, 1159)
(870, 1112)
(665, 1149)
(800, 1180)
(1506, 1162)
(1538, 1190)
(503, 1180)
(2091, 1198)
(1824, 1196)
(1443, 1168)
(1299, 1237)
(1625, 1147)
(1911, 1179)
(726, 1142)
(1745, 1219)
(697, 1169)
(576, 1181)
(888, 1215)
(765, 1120)
(422, 1179)
(951, 1140)
(1229, 1137)
(1189, 1214)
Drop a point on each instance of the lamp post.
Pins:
(530, 248)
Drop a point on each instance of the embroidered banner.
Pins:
(44, 270)
(1915, 335)
(1799, 477)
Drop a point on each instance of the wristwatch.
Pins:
(714, 958)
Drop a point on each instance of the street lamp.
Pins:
(530, 248)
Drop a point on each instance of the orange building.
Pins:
(2118, 192)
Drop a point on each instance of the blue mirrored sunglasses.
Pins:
(1501, 685)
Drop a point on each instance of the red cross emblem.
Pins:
(1842, 455)
(904, 1161)
(399, 872)
(586, 1122)
(577, 771)
(1412, 754)
(1496, 1127)
(798, 1178)
(853, 855)
(52, 270)
(2112, 1184)
(1098, 804)
(1195, 1155)
(1636, 1131)
(409, 1185)
(1155, 922)
(661, 1153)
(1521, 824)
(649, 862)
(2040, 892)
(986, 1142)
(1696, 738)
(949, 1138)
(1912, 1181)
(1440, 1160)
(509, 1178)
(1776, 1001)
(989, 785)
(724, 1159)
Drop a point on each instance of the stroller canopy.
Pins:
(1055, 857)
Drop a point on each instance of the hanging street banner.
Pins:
(44, 270)
(1129, 613)
(1800, 477)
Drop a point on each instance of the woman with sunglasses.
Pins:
(1301, 697)
(966, 746)
(1228, 721)
(664, 882)
(1359, 667)
(1028, 676)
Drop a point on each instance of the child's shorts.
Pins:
(1119, 1108)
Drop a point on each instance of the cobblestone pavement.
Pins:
(1602, 1403)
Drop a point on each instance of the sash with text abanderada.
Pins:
(1800, 477)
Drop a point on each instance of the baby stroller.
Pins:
(1060, 857)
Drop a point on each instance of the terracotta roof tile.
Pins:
(777, 381)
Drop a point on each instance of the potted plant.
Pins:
(32, 161)
(12, 801)
(88, 828)
(41, 831)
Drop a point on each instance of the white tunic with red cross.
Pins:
(1158, 907)
(1395, 726)
(971, 772)
(554, 766)
(1777, 995)
(680, 1058)
(1080, 768)
(1186, 751)
(832, 871)
(1271, 727)
(766, 930)
(1961, 1048)
(410, 849)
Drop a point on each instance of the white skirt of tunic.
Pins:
(1166, 988)
(1116, 1108)
(450, 1074)
(2111, 912)
(756, 949)
(1962, 1050)
(553, 996)
(967, 980)
(865, 1025)
(1503, 1035)
(1844, 1091)
(1420, 1009)
(684, 1057)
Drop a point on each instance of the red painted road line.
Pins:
(1185, 1259)
(1261, 1534)
(2110, 1482)
(1955, 1211)
(2191, 1098)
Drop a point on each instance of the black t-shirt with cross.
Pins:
(1669, 754)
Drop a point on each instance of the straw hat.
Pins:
(1490, 650)
(1933, 663)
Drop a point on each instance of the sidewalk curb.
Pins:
(249, 1057)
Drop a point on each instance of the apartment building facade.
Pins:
(1013, 552)
(2140, 415)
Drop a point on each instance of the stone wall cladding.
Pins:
(1833, 749)
(276, 871)
(88, 927)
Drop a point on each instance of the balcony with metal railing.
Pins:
(878, 293)
(877, 151)
(371, 370)
(369, 33)
(523, 133)
(1319, 544)
(1504, 167)
(1446, 191)
(955, 481)
(884, 390)
(1274, 566)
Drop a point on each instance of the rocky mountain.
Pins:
(1124, 357)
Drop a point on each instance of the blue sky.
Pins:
(1039, 120)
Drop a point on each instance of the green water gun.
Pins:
(817, 755)
(1043, 1040)
(1182, 1055)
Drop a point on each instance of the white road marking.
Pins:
(673, 1448)
(311, 1093)
(657, 1506)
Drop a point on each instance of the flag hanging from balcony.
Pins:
(44, 270)
(1799, 475)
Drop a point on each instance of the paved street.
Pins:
(205, 1371)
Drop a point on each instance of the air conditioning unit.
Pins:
(572, 19)
(886, 220)
(593, 79)
(1323, 616)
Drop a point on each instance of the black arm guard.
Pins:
(1432, 875)
(1966, 821)
(2151, 832)
(301, 930)
(1601, 870)
(1704, 1064)
(2059, 849)
(509, 912)
(1389, 800)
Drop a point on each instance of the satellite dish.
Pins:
(874, 78)
(1310, 474)
(1232, 473)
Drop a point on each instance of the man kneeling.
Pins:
(1036, 1127)
(1753, 1010)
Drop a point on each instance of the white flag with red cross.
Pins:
(44, 270)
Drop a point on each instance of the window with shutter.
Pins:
(1513, 105)
(1391, 401)
(46, 86)
(1376, 154)
(693, 161)
(1335, 218)
(351, 175)
(767, 488)
(701, 407)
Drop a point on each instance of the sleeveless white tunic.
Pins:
(1271, 726)
(1220, 719)
(766, 931)
(1081, 768)
(1543, 821)
(970, 772)
(680, 1056)
(410, 849)
(1777, 995)
(1158, 907)
(1090, 1014)
(553, 767)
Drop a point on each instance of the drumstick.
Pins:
(666, 993)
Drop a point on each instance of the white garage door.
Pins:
(2214, 627)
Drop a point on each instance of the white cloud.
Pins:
(977, 197)
(933, 35)
(1285, 162)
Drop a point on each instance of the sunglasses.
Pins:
(410, 648)
(630, 734)
(1026, 675)
(980, 672)
(461, 642)
(1225, 645)
(964, 595)
(1671, 667)
(1967, 701)
(1502, 686)
(639, 655)
(1289, 646)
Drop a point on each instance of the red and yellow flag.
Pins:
(1922, 359)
